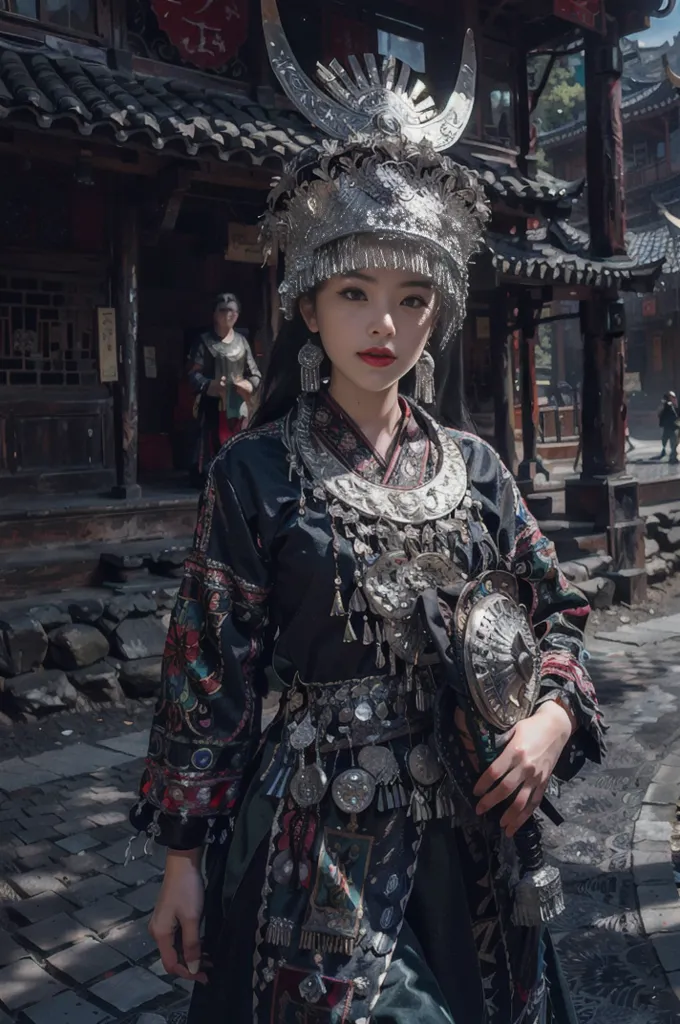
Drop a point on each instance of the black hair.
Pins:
(281, 386)
(224, 298)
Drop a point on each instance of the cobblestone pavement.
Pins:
(73, 942)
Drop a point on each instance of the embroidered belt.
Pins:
(372, 718)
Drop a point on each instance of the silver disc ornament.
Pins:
(494, 582)
(353, 790)
(502, 661)
(424, 765)
(308, 785)
(380, 763)
(394, 582)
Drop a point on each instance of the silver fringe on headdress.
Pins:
(380, 194)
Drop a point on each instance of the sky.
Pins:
(661, 30)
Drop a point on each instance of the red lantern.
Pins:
(207, 33)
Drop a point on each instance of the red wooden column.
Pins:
(602, 315)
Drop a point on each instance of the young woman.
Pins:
(372, 856)
(223, 375)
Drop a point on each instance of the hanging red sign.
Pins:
(207, 33)
(588, 14)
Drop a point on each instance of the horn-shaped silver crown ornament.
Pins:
(377, 191)
(386, 100)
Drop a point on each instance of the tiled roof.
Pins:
(642, 99)
(658, 243)
(559, 253)
(55, 90)
(508, 184)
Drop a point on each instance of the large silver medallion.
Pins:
(379, 762)
(394, 582)
(308, 785)
(502, 660)
(353, 790)
(424, 765)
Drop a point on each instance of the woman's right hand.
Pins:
(180, 906)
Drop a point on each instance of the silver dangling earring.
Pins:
(310, 358)
(424, 389)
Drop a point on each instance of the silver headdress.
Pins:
(378, 193)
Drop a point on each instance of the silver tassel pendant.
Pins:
(538, 897)
(310, 358)
(279, 932)
(424, 387)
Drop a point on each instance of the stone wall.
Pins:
(79, 653)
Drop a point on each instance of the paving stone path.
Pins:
(74, 948)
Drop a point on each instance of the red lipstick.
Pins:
(380, 357)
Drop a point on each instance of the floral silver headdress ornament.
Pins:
(378, 192)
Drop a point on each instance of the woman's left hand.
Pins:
(244, 387)
(525, 765)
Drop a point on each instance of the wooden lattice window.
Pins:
(47, 329)
(73, 15)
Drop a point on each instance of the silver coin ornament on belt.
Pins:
(303, 734)
(353, 790)
(380, 763)
(424, 765)
(502, 660)
(308, 785)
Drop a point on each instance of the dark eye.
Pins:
(414, 301)
(353, 294)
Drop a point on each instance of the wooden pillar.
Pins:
(501, 376)
(531, 463)
(525, 161)
(602, 314)
(127, 309)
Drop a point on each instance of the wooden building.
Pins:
(137, 142)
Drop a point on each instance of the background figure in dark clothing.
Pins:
(223, 374)
(668, 415)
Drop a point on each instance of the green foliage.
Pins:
(563, 99)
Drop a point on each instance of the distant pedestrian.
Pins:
(668, 415)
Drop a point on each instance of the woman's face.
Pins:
(225, 318)
(374, 324)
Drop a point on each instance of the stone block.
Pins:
(130, 605)
(78, 759)
(102, 915)
(77, 843)
(599, 591)
(143, 898)
(42, 690)
(142, 677)
(87, 611)
(67, 1008)
(53, 932)
(23, 982)
(16, 774)
(134, 743)
(595, 565)
(77, 646)
(662, 793)
(656, 569)
(132, 938)
(73, 825)
(667, 774)
(10, 951)
(136, 872)
(139, 638)
(574, 571)
(117, 852)
(37, 908)
(669, 539)
(84, 863)
(130, 989)
(82, 894)
(86, 960)
(652, 548)
(25, 644)
(661, 917)
(667, 948)
(656, 831)
(630, 586)
(98, 682)
(50, 616)
(33, 883)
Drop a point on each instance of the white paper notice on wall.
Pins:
(150, 369)
(108, 348)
